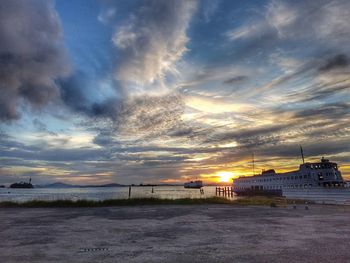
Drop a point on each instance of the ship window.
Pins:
(300, 176)
(320, 177)
(305, 176)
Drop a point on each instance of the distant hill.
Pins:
(64, 185)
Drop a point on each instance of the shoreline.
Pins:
(245, 201)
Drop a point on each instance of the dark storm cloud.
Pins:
(314, 149)
(32, 55)
(182, 132)
(247, 137)
(73, 92)
(235, 79)
(104, 138)
(327, 111)
(338, 61)
(321, 92)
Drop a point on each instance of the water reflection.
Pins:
(104, 193)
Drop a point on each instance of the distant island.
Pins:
(64, 185)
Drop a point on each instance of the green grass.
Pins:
(265, 201)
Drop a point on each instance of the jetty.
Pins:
(226, 191)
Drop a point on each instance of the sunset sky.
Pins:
(146, 91)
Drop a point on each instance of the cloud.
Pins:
(235, 79)
(42, 127)
(32, 55)
(74, 93)
(148, 117)
(209, 8)
(280, 16)
(106, 15)
(151, 42)
(335, 62)
(315, 28)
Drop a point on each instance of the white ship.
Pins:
(323, 174)
(194, 184)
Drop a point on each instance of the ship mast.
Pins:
(302, 154)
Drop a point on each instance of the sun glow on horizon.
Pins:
(225, 177)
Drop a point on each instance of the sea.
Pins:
(104, 193)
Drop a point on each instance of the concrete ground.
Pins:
(202, 233)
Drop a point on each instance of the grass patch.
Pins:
(259, 200)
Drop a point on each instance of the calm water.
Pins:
(102, 193)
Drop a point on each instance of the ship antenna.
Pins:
(302, 154)
(253, 164)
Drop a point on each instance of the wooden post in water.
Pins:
(129, 191)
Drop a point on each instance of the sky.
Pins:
(156, 91)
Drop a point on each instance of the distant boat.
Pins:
(194, 184)
(22, 184)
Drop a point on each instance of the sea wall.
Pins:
(320, 195)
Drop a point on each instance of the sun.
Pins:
(225, 177)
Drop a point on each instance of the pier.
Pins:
(226, 191)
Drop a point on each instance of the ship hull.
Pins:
(250, 192)
(193, 187)
(196, 184)
(16, 185)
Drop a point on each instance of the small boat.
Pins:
(22, 184)
(194, 184)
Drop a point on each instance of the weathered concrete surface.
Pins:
(213, 233)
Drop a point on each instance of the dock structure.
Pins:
(226, 191)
